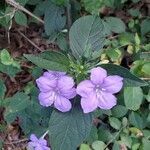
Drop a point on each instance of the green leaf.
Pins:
(116, 24)
(126, 38)
(146, 144)
(137, 67)
(107, 28)
(98, 145)
(133, 97)
(86, 36)
(145, 26)
(136, 146)
(22, 2)
(93, 136)
(127, 140)
(17, 104)
(147, 96)
(146, 47)
(137, 39)
(59, 2)
(146, 133)
(84, 147)
(93, 6)
(68, 130)
(34, 2)
(116, 146)
(62, 42)
(114, 54)
(20, 18)
(50, 61)
(146, 68)
(136, 120)
(1, 144)
(119, 111)
(130, 80)
(54, 18)
(134, 12)
(5, 57)
(104, 134)
(115, 123)
(35, 118)
(2, 90)
(9, 70)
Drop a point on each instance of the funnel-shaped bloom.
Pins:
(99, 90)
(56, 88)
(37, 144)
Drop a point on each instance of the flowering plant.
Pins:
(76, 86)
(73, 88)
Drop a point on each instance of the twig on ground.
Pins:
(32, 43)
(9, 14)
(16, 142)
(112, 37)
(18, 6)
(9, 28)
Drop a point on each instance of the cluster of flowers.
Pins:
(57, 88)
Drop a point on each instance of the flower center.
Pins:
(54, 95)
(98, 91)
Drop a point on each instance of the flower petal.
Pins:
(47, 99)
(33, 138)
(84, 88)
(31, 145)
(57, 72)
(62, 104)
(49, 75)
(45, 84)
(97, 75)
(42, 142)
(39, 147)
(112, 84)
(53, 74)
(89, 104)
(106, 101)
(65, 83)
(69, 94)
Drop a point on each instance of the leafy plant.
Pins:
(92, 91)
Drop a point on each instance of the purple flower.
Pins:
(56, 88)
(99, 90)
(37, 144)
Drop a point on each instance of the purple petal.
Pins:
(65, 83)
(42, 142)
(39, 147)
(47, 99)
(54, 74)
(32, 144)
(89, 104)
(57, 72)
(46, 148)
(106, 101)
(62, 104)
(112, 84)
(84, 88)
(69, 94)
(33, 138)
(98, 75)
(49, 75)
(45, 84)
